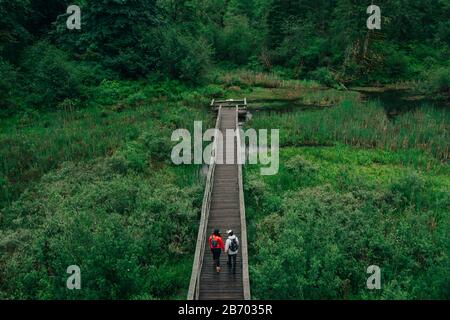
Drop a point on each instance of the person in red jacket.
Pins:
(216, 245)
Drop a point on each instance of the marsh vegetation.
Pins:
(86, 118)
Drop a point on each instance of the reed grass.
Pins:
(33, 144)
(265, 80)
(364, 125)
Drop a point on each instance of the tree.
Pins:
(183, 56)
(13, 33)
(119, 34)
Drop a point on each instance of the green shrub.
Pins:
(157, 143)
(13, 27)
(323, 76)
(301, 49)
(256, 189)
(299, 165)
(130, 234)
(212, 91)
(119, 35)
(8, 87)
(396, 65)
(109, 92)
(4, 191)
(322, 242)
(133, 156)
(409, 190)
(51, 77)
(136, 99)
(236, 43)
(437, 82)
(184, 56)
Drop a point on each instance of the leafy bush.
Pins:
(301, 49)
(13, 31)
(299, 165)
(437, 82)
(323, 76)
(119, 35)
(409, 190)
(396, 64)
(112, 91)
(51, 77)
(184, 56)
(8, 86)
(256, 189)
(136, 99)
(124, 231)
(212, 91)
(157, 143)
(323, 241)
(150, 148)
(236, 43)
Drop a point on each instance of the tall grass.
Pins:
(250, 78)
(363, 125)
(28, 153)
(101, 175)
(32, 144)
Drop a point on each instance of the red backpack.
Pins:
(214, 241)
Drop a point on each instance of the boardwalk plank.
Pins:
(224, 214)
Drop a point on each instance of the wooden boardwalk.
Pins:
(223, 208)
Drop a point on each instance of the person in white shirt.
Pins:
(232, 248)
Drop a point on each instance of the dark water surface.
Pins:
(398, 101)
(394, 101)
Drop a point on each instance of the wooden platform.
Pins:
(223, 209)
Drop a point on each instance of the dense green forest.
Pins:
(323, 40)
(86, 118)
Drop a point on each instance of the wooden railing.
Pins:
(194, 286)
(244, 248)
(230, 102)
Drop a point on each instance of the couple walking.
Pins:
(231, 247)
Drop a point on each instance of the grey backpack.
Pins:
(234, 246)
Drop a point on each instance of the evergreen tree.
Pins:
(119, 34)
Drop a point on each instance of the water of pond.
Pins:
(394, 101)
(277, 106)
(398, 101)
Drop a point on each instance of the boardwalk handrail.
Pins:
(193, 293)
(230, 103)
(244, 248)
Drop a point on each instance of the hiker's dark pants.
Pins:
(216, 255)
(232, 261)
